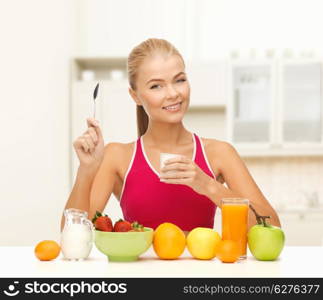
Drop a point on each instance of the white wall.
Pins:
(36, 44)
(201, 29)
(258, 24)
(113, 27)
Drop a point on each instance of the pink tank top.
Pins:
(150, 202)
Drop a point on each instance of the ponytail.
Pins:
(142, 120)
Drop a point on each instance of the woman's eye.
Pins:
(157, 85)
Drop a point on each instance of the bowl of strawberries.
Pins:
(122, 241)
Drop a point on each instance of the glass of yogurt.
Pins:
(166, 156)
(77, 235)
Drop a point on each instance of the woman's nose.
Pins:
(171, 91)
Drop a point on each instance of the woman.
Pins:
(186, 191)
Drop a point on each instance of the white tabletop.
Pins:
(293, 262)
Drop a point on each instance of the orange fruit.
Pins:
(169, 241)
(228, 251)
(47, 250)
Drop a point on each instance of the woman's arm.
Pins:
(93, 186)
(239, 181)
(104, 181)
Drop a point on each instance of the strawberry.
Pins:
(137, 227)
(102, 222)
(122, 226)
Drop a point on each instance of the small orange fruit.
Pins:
(47, 250)
(169, 241)
(228, 251)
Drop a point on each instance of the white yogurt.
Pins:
(76, 241)
(166, 156)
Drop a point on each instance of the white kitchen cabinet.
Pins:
(118, 112)
(250, 111)
(301, 100)
(208, 81)
(275, 107)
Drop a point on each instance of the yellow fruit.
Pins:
(47, 250)
(169, 241)
(202, 242)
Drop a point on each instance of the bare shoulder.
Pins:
(118, 150)
(115, 146)
(219, 152)
(118, 153)
(217, 147)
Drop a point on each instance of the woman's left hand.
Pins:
(181, 170)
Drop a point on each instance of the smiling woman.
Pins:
(185, 191)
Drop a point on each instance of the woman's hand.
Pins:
(89, 147)
(181, 170)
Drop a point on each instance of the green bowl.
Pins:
(123, 246)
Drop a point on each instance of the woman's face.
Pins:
(162, 88)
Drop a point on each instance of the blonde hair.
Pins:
(136, 57)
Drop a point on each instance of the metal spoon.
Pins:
(95, 93)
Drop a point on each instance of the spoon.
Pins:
(95, 93)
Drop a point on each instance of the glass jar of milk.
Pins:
(77, 235)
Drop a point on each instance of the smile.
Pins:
(174, 107)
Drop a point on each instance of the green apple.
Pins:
(264, 240)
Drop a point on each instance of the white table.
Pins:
(293, 262)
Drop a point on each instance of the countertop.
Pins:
(293, 262)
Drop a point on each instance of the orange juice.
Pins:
(235, 222)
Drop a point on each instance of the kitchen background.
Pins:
(255, 68)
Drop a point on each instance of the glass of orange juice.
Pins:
(235, 222)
